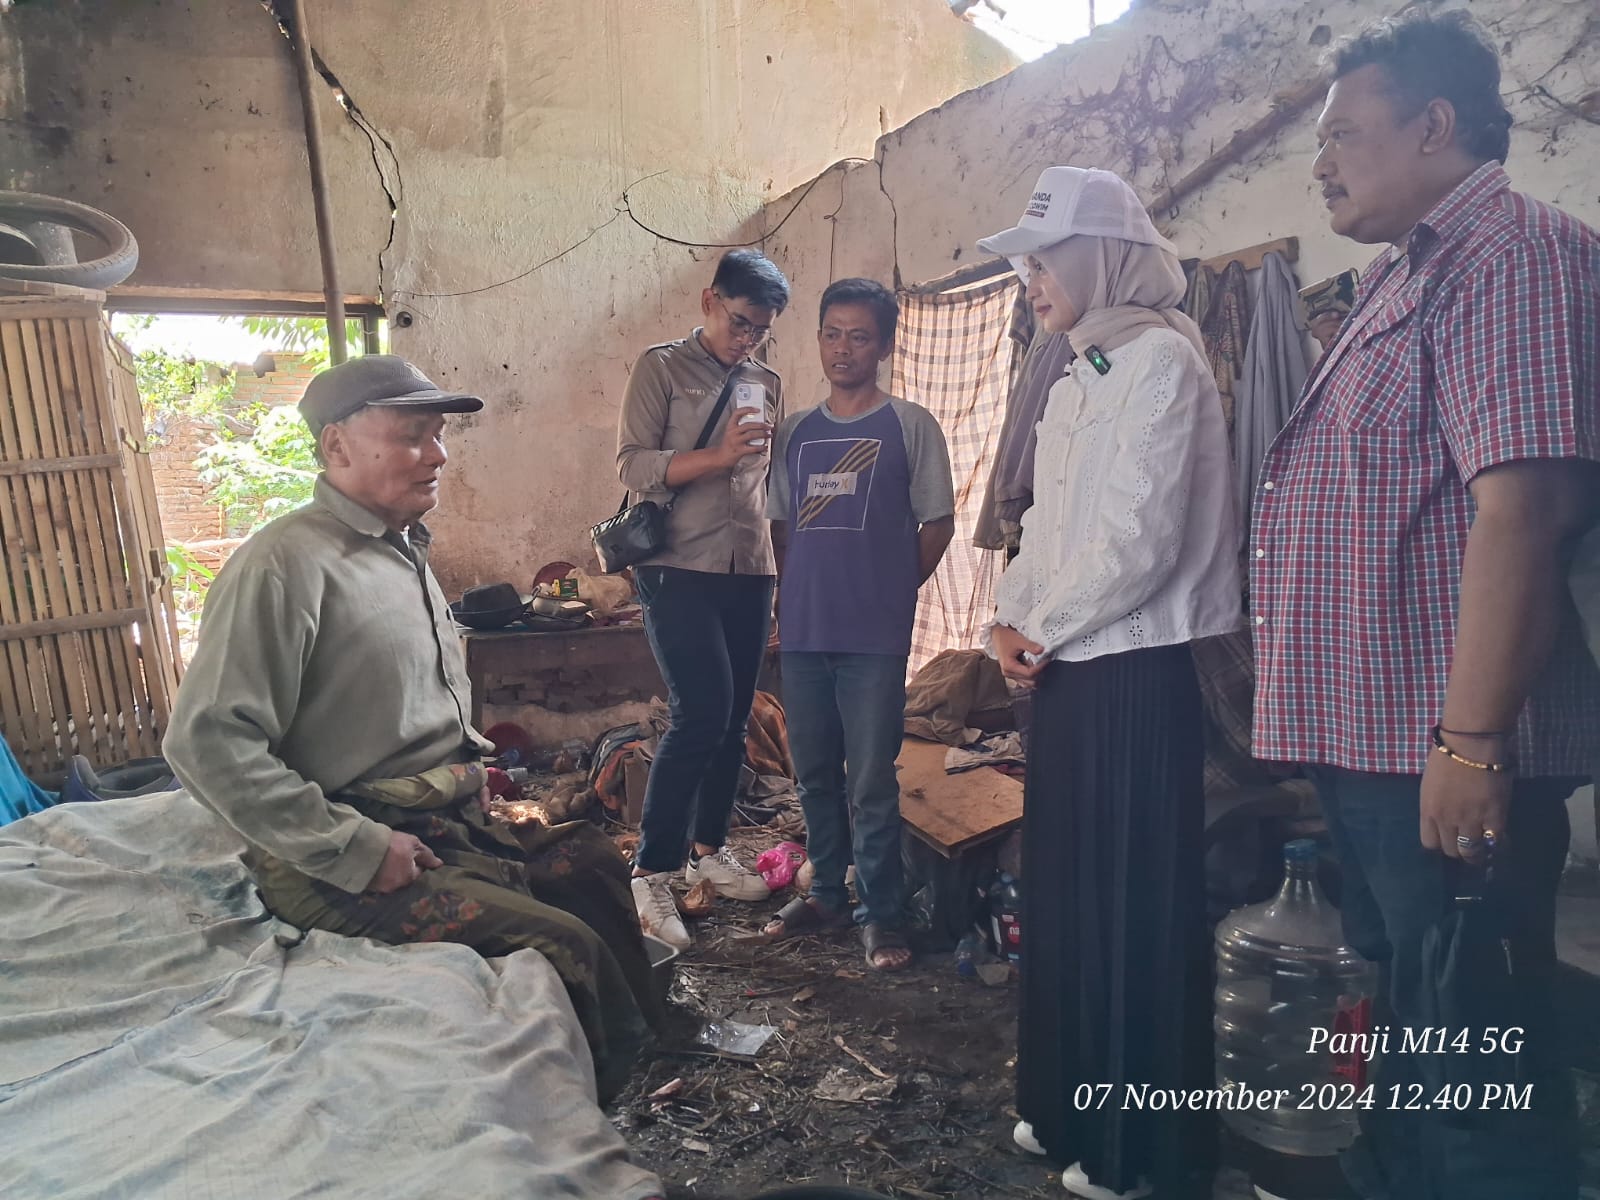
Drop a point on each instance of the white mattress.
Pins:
(157, 1041)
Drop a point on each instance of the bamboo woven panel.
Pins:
(87, 637)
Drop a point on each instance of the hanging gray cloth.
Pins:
(1274, 371)
(1011, 482)
(1197, 300)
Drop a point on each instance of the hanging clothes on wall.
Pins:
(1197, 300)
(1275, 369)
(1225, 326)
(1241, 347)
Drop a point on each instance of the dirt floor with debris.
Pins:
(919, 1064)
(916, 1067)
(918, 1061)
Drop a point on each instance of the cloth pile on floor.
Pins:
(766, 787)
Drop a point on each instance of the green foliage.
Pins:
(190, 578)
(187, 569)
(180, 387)
(264, 473)
(304, 335)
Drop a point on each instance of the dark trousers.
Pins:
(709, 633)
(1394, 891)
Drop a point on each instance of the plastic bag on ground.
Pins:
(779, 865)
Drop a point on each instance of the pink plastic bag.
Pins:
(778, 865)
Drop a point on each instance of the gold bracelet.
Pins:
(1497, 768)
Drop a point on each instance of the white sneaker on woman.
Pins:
(658, 910)
(1022, 1135)
(1076, 1181)
(732, 879)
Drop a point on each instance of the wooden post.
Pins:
(333, 297)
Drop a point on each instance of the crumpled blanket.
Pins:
(766, 745)
(951, 687)
(161, 1035)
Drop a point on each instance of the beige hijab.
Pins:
(1120, 289)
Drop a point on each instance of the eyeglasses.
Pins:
(742, 329)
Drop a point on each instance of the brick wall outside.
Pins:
(188, 512)
(284, 386)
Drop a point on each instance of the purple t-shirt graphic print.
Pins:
(853, 493)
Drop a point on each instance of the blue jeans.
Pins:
(709, 633)
(1394, 890)
(846, 718)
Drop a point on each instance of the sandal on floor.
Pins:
(876, 938)
(800, 917)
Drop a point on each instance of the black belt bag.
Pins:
(639, 531)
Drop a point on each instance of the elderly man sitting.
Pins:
(324, 717)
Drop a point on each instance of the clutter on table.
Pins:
(488, 606)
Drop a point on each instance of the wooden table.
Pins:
(953, 813)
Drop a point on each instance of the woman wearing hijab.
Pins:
(1127, 555)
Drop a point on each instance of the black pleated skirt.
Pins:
(1116, 975)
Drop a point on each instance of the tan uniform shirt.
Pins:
(718, 523)
(327, 656)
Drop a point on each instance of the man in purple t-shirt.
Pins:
(862, 507)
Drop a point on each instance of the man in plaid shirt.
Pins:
(1414, 636)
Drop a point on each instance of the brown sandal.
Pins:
(800, 917)
(877, 939)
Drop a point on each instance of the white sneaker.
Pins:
(658, 911)
(732, 879)
(1022, 1135)
(1076, 1181)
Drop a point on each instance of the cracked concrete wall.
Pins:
(184, 121)
(1152, 97)
(516, 126)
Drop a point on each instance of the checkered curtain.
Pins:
(954, 356)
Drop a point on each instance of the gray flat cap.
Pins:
(384, 380)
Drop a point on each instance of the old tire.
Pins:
(112, 267)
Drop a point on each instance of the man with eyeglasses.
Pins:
(707, 596)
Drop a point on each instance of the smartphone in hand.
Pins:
(751, 401)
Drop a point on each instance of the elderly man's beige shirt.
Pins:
(718, 523)
(327, 656)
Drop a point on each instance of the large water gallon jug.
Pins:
(1293, 1018)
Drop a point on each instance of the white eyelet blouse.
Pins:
(1132, 538)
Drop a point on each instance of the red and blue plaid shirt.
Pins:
(1477, 345)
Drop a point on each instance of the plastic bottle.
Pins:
(1005, 914)
(1283, 971)
(970, 951)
